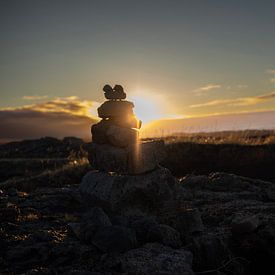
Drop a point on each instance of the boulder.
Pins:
(155, 258)
(114, 239)
(120, 193)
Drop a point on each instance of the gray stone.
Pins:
(120, 193)
(155, 258)
(114, 239)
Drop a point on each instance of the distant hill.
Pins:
(46, 147)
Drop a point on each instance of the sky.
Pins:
(175, 59)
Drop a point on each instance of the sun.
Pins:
(147, 107)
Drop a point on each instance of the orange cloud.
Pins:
(59, 117)
(243, 101)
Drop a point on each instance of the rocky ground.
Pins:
(215, 224)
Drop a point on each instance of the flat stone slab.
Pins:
(135, 159)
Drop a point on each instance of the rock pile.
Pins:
(115, 139)
(126, 172)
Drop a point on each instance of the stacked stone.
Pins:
(115, 139)
(119, 126)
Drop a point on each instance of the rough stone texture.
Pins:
(114, 239)
(122, 192)
(135, 159)
(157, 259)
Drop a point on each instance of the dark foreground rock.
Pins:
(216, 224)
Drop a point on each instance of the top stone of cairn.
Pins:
(116, 93)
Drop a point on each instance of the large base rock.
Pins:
(122, 193)
(135, 159)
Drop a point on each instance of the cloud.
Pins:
(243, 101)
(207, 88)
(34, 97)
(58, 118)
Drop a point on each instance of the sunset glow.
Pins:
(175, 59)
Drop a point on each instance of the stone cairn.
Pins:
(126, 173)
(115, 139)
